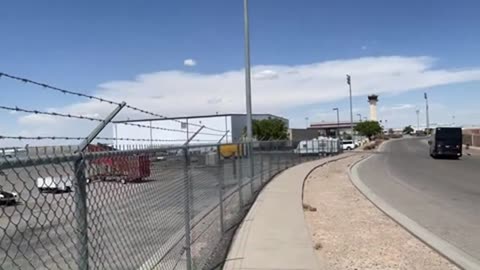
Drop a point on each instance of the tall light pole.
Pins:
(248, 94)
(426, 111)
(418, 119)
(248, 85)
(306, 122)
(349, 82)
(338, 123)
(359, 117)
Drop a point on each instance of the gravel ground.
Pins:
(349, 232)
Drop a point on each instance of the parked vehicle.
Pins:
(8, 198)
(55, 183)
(121, 168)
(317, 146)
(446, 142)
(348, 145)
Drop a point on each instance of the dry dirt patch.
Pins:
(349, 232)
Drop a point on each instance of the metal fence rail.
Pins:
(141, 208)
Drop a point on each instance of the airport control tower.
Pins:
(372, 100)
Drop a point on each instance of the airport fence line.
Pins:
(166, 207)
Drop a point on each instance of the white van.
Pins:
(348, 145)
(55, 184)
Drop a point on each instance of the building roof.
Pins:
(331, 125)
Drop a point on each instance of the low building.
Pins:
(329, 129)
(223, 128)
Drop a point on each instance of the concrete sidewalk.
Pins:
(274, 234)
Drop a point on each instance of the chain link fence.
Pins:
(136, 207)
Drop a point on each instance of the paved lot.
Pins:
(441, 195)
(128, 224)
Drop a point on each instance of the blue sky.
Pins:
(84, 44)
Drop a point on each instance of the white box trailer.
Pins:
(317, 146)
(62, 183)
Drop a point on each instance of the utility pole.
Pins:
(418, 119)
(338, 123)
(306, 122)
(426, 111)
(349, 82)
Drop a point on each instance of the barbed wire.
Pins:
(64, 91)
(4, 137)
(66, 115)
(205, 127)
(168, 129)
(70, 92)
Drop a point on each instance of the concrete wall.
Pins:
(471, 139)
(239, 122)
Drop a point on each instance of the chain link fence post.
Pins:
(269, 160)
(220, 189)
(240, 174)
(261, 168)
(187, 214)
(234, 164)
(251, 169)
(81, 214)
(277, 157)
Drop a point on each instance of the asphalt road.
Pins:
(442, 195)
(128, 224)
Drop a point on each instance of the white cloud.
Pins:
(364, 47)
(398, 107)
(266, 74)
(189, 62)
(275, 89)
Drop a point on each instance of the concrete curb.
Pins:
(450, 252)
(340, 157)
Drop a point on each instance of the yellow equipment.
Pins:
(232, 150)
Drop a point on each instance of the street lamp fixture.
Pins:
(359, 116)
(426, 111)
(349, 82)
